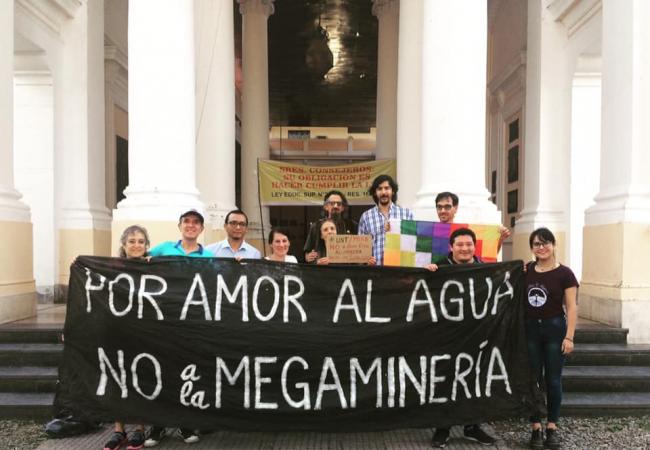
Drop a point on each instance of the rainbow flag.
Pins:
(416, 243)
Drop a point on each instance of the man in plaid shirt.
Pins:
(375, 221)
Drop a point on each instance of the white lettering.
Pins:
(156, 371)
(355, 369)
(144, 294)
(276, 298)
(293, 298)
(457, 300)
(92, 287)
(260, 380)
(242, 287)
(111, 296)
(203, 301)
(354, 306)
(421, 284)
(328, 366)
(305, 403)
(243, 366)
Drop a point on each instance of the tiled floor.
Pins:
(411, 439)
(47, 316)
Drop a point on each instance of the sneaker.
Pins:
(536, 439)
(475, 433)
(117, 440)
(155, 435)
(552, 438)
(188, 436)
(440, 438)
(136, 440)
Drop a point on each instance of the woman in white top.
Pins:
(279, 242)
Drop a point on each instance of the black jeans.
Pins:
(544, 337)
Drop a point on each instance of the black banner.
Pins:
(216, 344)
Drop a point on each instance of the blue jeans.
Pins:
(544, 337)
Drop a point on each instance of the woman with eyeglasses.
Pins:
(551, 291)
(279, 242)
(327, 227)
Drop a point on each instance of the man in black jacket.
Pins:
(334, 206)
(462, 246)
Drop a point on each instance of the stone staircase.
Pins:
(604, 376)
(29, 358)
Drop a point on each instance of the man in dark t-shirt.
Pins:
(462, 246)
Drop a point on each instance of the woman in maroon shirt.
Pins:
(550, 288)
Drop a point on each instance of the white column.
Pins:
(215, 109)
(17, 291)
(585, 146)
(255, 106)
(162, 170)
(548, 116)
(11, 208)
(387, 13)
(615, 285)
(625, 159)
(454, 58)
(80, 92)
(83, 219)
(409, 103)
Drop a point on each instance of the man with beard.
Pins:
(375, 221)
(334, 206)
(234, 246)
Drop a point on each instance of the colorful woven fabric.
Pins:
(416, 243)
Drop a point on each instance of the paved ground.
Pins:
(413, 439)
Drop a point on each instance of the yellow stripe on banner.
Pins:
(283, 183)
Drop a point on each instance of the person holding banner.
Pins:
(375, 221)
(327, 228)
(134, 244)
(334, 207)
(550, 288)
(462, 247)
(279, 242)
(235, 246)
(190, 224)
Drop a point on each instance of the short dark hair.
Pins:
(340, 194)
(461, 232)
(236, 211)
(543, 234)
(277, 230)
(379, 180)
(446, 194)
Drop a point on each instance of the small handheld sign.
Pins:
(349, 248)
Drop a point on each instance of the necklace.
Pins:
(540, 268)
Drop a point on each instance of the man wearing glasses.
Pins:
(447, 207)
(234, 246)
(334, 206)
